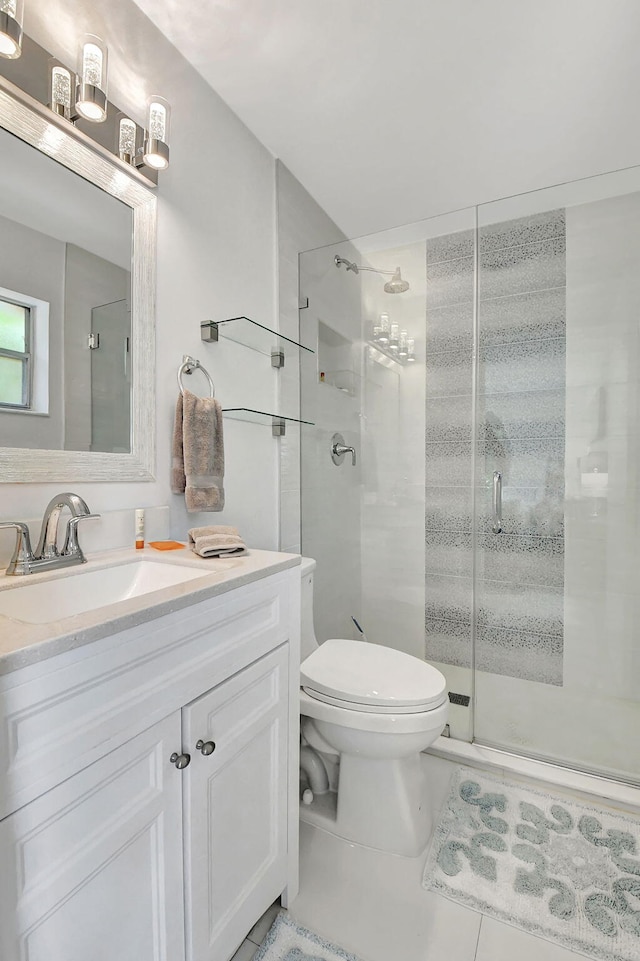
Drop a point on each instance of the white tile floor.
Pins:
(373, 905)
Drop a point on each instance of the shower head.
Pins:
(394, 286)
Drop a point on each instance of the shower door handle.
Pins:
(497, 502)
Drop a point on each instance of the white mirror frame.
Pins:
(36, 125)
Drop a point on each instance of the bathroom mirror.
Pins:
(77, 279)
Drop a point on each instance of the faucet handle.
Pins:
(22, 554)
(71, 545)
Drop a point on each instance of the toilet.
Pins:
(367, 711)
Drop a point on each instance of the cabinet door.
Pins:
(93, 868)
(235, 806)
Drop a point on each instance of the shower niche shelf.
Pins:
(277, 422)
(243, 330)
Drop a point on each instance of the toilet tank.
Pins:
(308, 642)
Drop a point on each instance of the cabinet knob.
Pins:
(206, 747)
(180, 760)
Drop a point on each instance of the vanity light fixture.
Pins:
(127, 138)
(91, 94)
(156, 143)
(60, 89)
(11, 20)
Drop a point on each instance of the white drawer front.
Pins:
(94, 698)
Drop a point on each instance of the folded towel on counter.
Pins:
(221, 541)
(197, 452)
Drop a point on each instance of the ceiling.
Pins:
(389, 111)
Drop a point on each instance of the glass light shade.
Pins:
(60, 89)
(127, 135)
(91, 97)
(156, 145)
(385, 327)
(11, 20)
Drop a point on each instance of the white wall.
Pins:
(216, 259)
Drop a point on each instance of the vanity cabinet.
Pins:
(127, 855)
(235, 806)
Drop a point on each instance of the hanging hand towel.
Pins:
(197, 465)
(221, 541)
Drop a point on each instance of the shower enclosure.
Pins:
(490, 523)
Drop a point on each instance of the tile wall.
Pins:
(520, 432)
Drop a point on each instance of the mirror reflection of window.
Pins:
(15, 356)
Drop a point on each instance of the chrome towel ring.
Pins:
(188, 365)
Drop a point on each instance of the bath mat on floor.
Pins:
(289, 941)
(566, 871)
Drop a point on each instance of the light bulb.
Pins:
(156, 144)
(127, 139)
(11, 20)
(91, 96)
(383, 339)
(60, 89)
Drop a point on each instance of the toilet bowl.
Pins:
(372, 709)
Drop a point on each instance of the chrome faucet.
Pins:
(339, 449)
(47, 556)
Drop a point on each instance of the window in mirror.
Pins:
(15, 357)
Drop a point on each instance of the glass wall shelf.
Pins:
(276, 421)
(253, 335)
(379, 353)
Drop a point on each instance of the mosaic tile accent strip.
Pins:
(521, 432)
(565, 871)
(289, 941)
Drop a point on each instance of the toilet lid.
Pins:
(369, 674)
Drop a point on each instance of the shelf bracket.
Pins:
(209, 332)
(303, 303)
(278, 427)
(277, 357)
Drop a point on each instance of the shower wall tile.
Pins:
(527, 365)
(521, 558)
(520, 606)
(525, 655)
(449, 373)
(448, 420)
(525, 511)
(449, 598)
(450, 328)
(451, 247)
(450, 282)
(534, 315)
(525, 230)
(528, 415)
(514, 270)
(448, 464)
(448, 508)
(448, 642)
(524, 462)
(448, 552)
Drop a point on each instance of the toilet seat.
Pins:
(358, 676)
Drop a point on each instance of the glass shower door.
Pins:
(557, 566)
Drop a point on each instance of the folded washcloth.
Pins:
(221, 541)
(197, 465)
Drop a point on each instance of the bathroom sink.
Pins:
(86, 590)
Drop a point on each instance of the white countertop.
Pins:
(22, 643)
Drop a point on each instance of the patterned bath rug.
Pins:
(289, 941)
(566, 871)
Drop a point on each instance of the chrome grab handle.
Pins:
(497, 502)
(206, 747)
